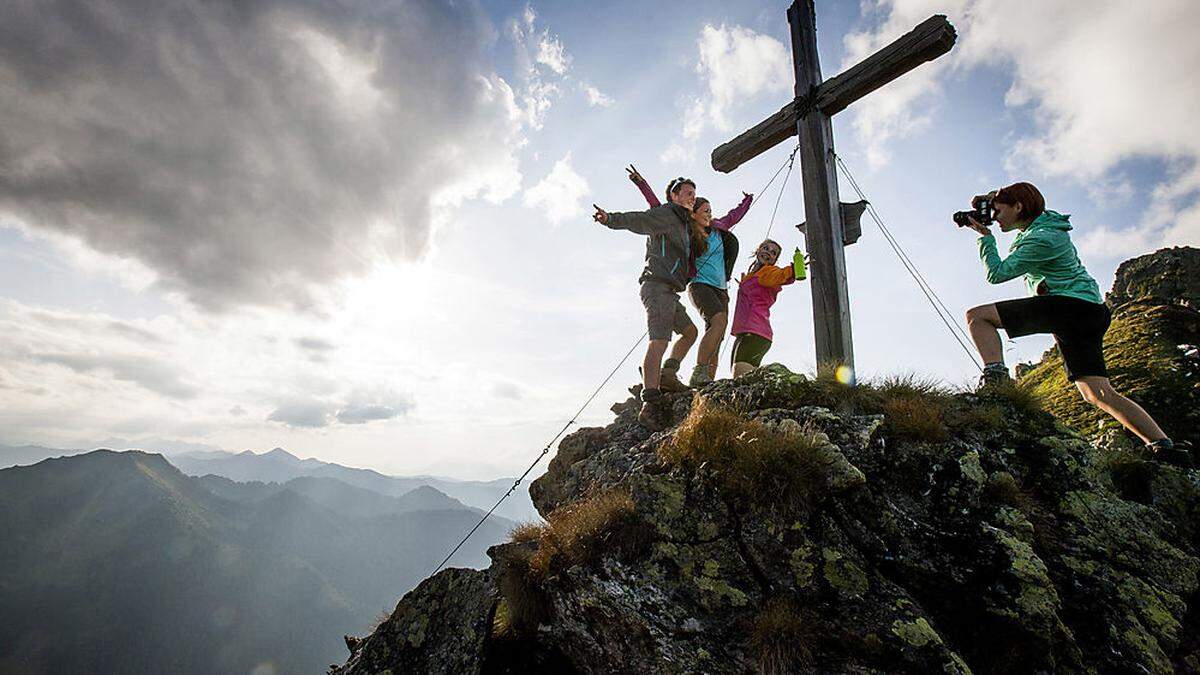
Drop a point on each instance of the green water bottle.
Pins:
(798, 265)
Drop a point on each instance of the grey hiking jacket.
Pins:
(668, 247)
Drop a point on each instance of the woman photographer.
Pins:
(1066, 302)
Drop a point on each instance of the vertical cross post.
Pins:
(831, 298)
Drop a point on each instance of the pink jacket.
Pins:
(756, 293)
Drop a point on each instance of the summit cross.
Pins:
(809, 116)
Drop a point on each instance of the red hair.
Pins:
(1029, 197)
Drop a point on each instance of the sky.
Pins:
(361, 231)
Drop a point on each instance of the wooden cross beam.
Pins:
(809, 116)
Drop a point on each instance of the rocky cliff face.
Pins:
(1152, 350)
(789, 524)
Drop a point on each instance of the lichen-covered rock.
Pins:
(441, 626)
(984, 537)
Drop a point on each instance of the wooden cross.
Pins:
(808, 115)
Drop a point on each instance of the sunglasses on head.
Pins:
(674, 183)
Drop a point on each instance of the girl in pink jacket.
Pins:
(757, 291)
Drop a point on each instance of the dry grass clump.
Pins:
(577, 533)
(979, 417)
(1021, 396)
(915, 418)
(780, 637)
(526, 532)
(752, 464)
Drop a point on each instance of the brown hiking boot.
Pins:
(650, 417)
(652, 414)
(669, 378)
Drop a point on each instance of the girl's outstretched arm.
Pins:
(732, 218)
(772, 276)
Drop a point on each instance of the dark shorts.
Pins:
(664, 312)
(749, 348)
(1078, 327)
(710, 300)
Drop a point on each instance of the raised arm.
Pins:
(735, 215)
(642, 185)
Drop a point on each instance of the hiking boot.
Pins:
(994, 375)
(669, 378)
(652, 414)
(700, 376)
(1169, 452)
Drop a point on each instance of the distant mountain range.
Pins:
(280, 466)
(118, 562)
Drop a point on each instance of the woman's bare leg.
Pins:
(984, 323)
(1099, 392)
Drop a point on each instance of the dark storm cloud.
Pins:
(245, 151)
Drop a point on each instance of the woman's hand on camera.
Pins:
(634, 175)
(978, 227)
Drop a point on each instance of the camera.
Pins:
(983, 213)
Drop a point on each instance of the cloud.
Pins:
(313, 344)
(314, 413)
(508, 390)
(905, 105)
(249, 152)
(552, 54)
(676, 153)
(155, 375)
(560, 196)
(543, 62)
(736, 64)
(1105, 82)
(361, 414)
(303, 414)
(595, 97)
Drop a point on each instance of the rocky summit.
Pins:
(787, 523)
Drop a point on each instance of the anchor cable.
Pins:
(545, 451)
(931, 295)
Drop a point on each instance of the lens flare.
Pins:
(844, 374)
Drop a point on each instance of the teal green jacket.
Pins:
(1043, 252)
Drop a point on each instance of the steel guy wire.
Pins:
(545, 451)
(934, 300)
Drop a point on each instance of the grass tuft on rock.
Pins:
(579, 532)
(753, 465)
(780, 638)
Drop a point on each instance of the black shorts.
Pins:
(710, 300)
(1078, 327)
